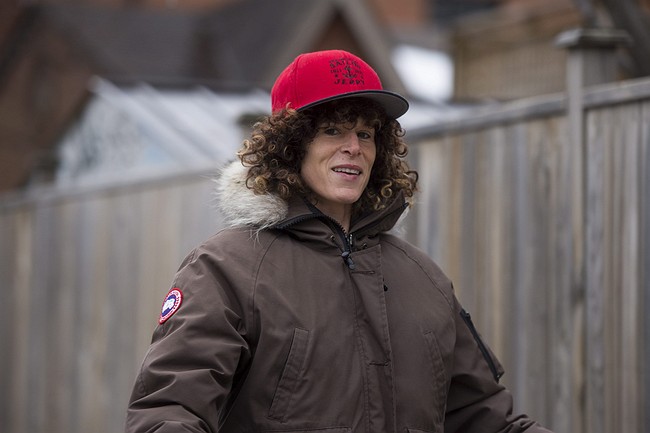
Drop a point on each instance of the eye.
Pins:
(330, 130)
(365, 135)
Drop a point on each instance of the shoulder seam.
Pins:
(389, 241)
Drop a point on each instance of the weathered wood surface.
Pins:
(547, 244)
(499, 204)
(617, 222)
(84, 277)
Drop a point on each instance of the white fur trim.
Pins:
(239, 205)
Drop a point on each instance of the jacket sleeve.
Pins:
(476, 401)
(187, 374)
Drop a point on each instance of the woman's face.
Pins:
(337, 166)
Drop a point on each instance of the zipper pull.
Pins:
(347, 258)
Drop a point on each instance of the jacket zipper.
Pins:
(346, 255)
(349, 240)
(467, 318)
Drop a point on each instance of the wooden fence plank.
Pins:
(622, 291)
(595, 275)
(629, 262)
(60, 369)
(125, 226)
(19, 280)
(469, 205)
(8, 265)
(644, 259)
(553, 196)
(93, 398)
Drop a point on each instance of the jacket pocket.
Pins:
(440, 377)
(290, 375)
(492, 362)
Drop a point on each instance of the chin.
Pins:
(349, 199)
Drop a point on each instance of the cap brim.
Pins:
(395, 105)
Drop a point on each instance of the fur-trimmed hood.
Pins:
(240, 206)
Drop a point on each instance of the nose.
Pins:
(351, 144)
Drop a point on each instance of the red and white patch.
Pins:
(171, 304)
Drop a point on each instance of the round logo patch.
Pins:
(170, 305)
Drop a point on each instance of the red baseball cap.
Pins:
(323, 76)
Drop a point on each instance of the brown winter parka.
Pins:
(296, 326)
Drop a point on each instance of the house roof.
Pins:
(245, 42)
(130, 129)
(256, 39)
(131, 41)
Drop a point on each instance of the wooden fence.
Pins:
(84, 273)
(547, 240)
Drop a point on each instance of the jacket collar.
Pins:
(240, 206)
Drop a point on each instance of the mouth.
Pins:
(347, 170)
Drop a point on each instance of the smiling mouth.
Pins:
(347, 170)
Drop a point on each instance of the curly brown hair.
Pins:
(278, 143)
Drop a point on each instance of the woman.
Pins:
(306, 314)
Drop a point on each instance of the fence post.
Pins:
(591, 60)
